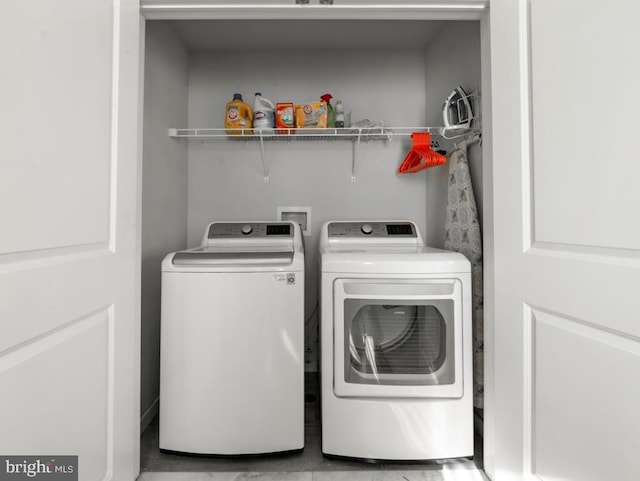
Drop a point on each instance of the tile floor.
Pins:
(310, 465)
(320, 476)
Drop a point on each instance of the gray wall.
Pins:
(226, 179)
(164, 188)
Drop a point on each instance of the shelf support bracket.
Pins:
(355, 147)
(265, 165)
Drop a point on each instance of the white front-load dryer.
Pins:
(396, 364)
(232, 334)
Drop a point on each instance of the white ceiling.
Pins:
(304, 34)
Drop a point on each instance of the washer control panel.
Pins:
(371, 229)
(249, 229)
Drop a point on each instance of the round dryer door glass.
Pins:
(381, 327)
(404, 343)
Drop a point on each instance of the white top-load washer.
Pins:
(396, 361)
(232, 334)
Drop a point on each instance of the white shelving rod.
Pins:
(265, 167)
(354, 155)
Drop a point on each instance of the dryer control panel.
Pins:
(371, 229)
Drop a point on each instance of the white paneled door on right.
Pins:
(566, 393)
(69, 240)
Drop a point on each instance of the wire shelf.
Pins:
(355, 135)
(307, 134)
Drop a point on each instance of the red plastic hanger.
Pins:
(421, 156)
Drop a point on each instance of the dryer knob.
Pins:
(366, 229)
(247, 229)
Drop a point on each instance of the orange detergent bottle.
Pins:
(239, 117)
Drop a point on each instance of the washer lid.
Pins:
(242, 247)
(211, 256)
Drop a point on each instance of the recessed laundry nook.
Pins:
(407, 86)
(317, 240)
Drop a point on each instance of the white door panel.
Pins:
(584, 400)
(55, 388)
(57, 120)
(69, 248)
(584, 79)
(566, 247)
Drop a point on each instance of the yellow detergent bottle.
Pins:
(239, 117)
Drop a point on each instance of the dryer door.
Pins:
(398, 338)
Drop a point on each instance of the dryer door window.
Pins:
(402, 343)
(401, 338)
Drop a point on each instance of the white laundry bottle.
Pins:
(339, 115)
(264, 116)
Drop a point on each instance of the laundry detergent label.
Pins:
(311, 115)
(286, 278)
